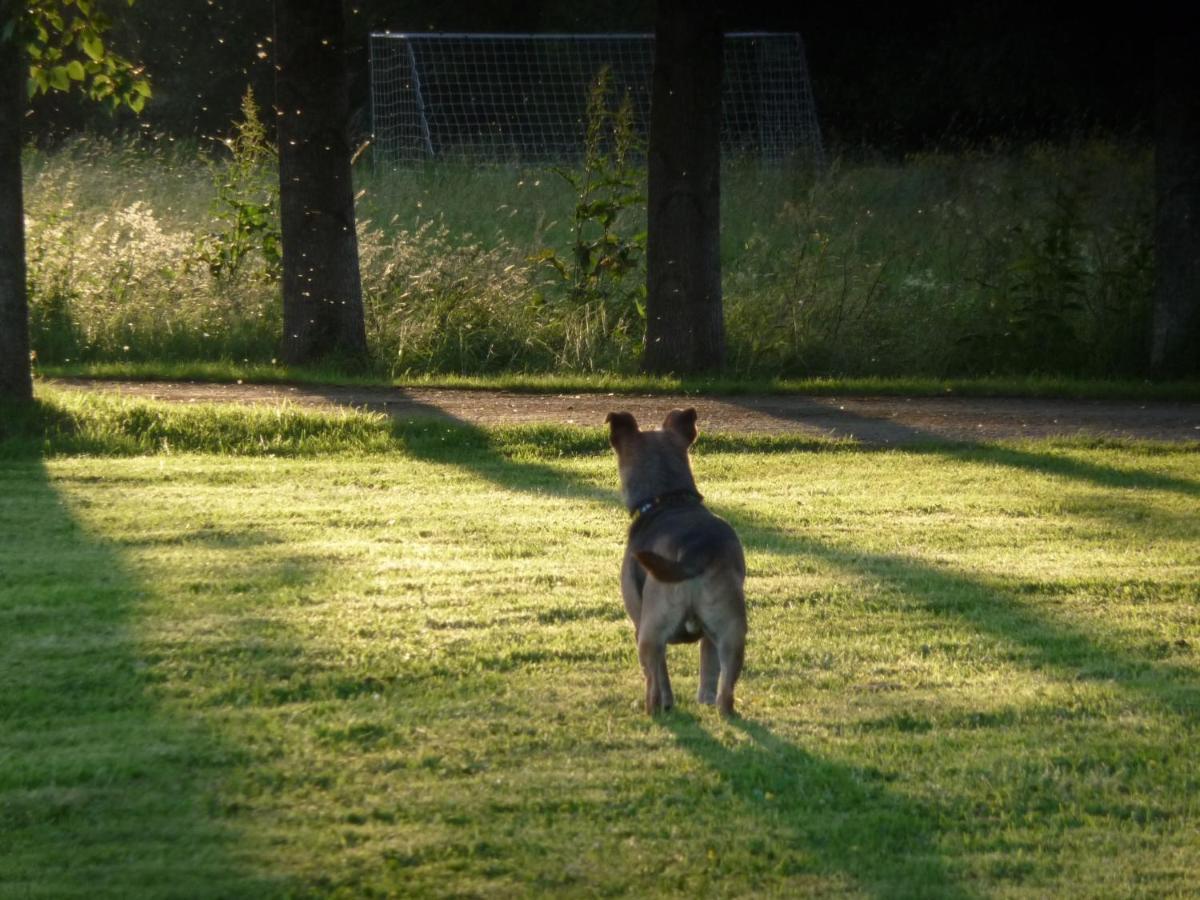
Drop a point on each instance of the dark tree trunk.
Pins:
(1175, 341)
(685, 328)
(322, 290)
(15, 380)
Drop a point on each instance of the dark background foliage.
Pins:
(888, 78)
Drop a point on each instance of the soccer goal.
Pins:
(503, 98)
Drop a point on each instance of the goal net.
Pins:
(504, 98)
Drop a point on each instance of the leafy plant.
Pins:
(65, 43)
(1041, 295)
(607, 184)
(1048, 306)
(247, 201)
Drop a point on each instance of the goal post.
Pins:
(521, 98)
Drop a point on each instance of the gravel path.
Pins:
(872, 420)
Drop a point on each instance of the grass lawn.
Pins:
(1035, 386)
(349, 659)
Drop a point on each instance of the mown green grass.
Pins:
(1028, 386)
(367, 659)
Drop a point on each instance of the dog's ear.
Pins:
(683, 423)
(620, 426)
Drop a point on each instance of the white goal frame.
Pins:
(521, 98)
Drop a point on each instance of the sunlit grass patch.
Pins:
(1031, 386)
(73, 422)
(399, 665)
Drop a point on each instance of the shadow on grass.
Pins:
(890, 838)
(990, 608)
(843, 819)
(898, 435)
(1036, 639)
(1061, 466)
(873, 833)
(815, 815)
(102, 790)
(895, 435)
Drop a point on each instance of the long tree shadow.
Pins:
(432, 435)
(844, 818)
(1065, 467)
(916, 440)
(818, 814)
(1038, 639)
(412, 416)
(987, 606)
(102, 790)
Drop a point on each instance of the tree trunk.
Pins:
(685, 329)
(1175, 336)
(15, 380)
(322, 290)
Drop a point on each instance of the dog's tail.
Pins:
(669, 570)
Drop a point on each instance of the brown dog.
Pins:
(684, 567)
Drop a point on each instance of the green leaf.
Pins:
(75, 70)
(59, 80)
(547, 255)
(93, 46)
(142, 86)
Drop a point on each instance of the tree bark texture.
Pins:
(1175, 335)
(16, 382)
(322, 289)
(685, 328)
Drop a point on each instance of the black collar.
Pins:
(643, 510)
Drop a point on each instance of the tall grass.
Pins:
(1005, 262)
(114, 234)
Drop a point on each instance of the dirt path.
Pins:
(872, 420)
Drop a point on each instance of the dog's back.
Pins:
(686, 543)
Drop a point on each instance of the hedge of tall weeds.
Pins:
(1010, 261)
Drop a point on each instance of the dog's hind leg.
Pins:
(731, 649)
(722, 614)
(653, 655)
(710, 672)
(660, 619)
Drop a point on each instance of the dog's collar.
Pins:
(683, 497)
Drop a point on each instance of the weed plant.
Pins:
(1029, 261)
(601, 272)
(247, 202)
